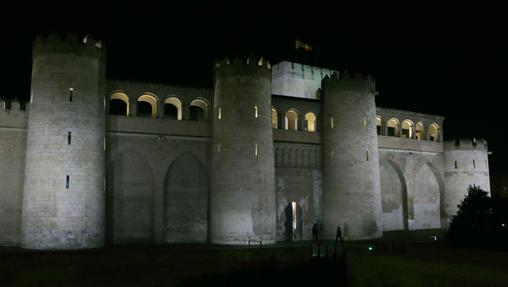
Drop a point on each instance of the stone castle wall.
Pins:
(13, 125)
(227, 180)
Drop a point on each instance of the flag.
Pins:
(300, 44)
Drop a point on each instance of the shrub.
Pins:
(481, 221)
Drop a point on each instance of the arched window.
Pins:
(147, 106)
(434, 132)
(378, 125)
(419, 131)
(275, 119)
(198, 110)
(119, 104)
(310, 120)
(173, 108)
(393, 127)
(291, 120)
(407, 129)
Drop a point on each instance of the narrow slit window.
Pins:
(256, 150)
(455, 164)
(367, 155)
(220, 114)
(67, 181)
(364, 121)
(71, 93)
(474, 164)
(69, 138)
(255, 111)
(331, 122)
(218, 147)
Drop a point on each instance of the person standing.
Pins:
(315, 231)
(338, 236)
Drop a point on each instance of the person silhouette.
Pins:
(315, 231)
(339, 235)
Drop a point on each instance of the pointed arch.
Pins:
(130, 199)
(293, 227)
(394, 196)
(428, 187)
(185, 200)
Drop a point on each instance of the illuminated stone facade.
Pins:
(90, 161)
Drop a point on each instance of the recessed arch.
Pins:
(173, 108)
(310, 121)
(119, 104)
(291, 119)
(131, 191)
(419, 133)
(293, 224)
(275, 118)
(428, 188)
(198, 109)
(393, 127)
(185, 200)
(407, 129)
(379, 125)
(434, 132)
(394, 196)
(147, 105)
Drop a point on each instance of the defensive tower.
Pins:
(242, 199)
(351, 186)
(63, 197)
(465, 164)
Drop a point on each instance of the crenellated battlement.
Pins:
(466, 144)
(13, 114)
(13, 105)
(58, 44)
(239, 61)
(351, 81)
(251, 66)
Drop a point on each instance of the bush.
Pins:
(481, 221)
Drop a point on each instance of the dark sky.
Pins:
(448, 59)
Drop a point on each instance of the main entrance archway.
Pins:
(293, 224)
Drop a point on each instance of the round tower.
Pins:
(63, 196)
(242, 199)
(351, 186)
(466, 164)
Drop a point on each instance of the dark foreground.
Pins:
(386, 263)
(169, 265)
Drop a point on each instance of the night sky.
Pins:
(447, 59)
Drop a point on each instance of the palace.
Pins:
(261, 156)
